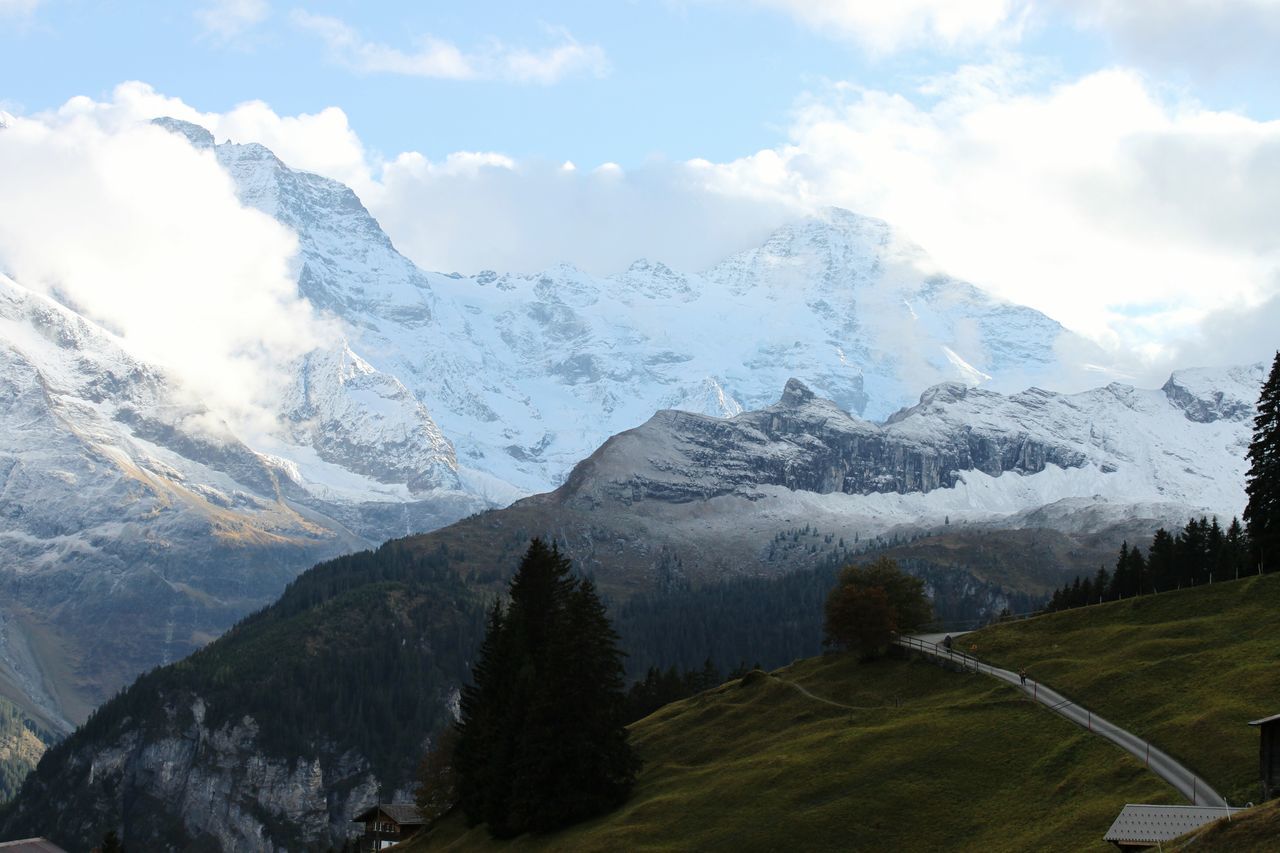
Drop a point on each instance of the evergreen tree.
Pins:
(542, 741)
(1137, 572)
(1235, 551)
(1101, 583)
(1160, 563)
(482, 755)
(1262, 483)
(1215, 547)
(1121, 579)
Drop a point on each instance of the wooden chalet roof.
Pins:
(30, 845)
(1265, 720)
(1149, 825)
(405, 814)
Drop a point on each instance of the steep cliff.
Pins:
(275, 734)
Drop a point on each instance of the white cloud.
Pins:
(1195, 35)
(1094, 200)
(320, 142)
(477, 211)
(1133, 218)
(144, 234)
(437, 58)
(225, 20)
(1201, 35)
(18, 8)
(884, 27)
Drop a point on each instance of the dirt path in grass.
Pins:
(1196, 790)
(814, 696)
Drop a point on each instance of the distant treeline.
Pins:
(1200, 553)
(773, 620)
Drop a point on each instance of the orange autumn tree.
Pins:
(871, 604)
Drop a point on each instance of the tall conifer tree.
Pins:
(1262, 514)
(541, 738)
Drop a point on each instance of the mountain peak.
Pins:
(838, 220)
(1206, 394)
(195, 134)
(795, 394)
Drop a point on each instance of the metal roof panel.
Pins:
(1139, 823)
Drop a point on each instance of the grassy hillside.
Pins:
(1255, 831)
(1186, 669)
(926, 759)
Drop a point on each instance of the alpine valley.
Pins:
(826, 393)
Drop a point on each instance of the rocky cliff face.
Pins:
(801, 443)
(275, 734)
(216, 788)
(956, 439)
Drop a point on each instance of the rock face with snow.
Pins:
(137, 526)
(960, 451)
(527, 373)
(802, 443)
(542, 368)
(127, 504)
(682, 498)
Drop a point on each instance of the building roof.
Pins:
(1142, 824)
(30, 845)
(1265, 720)
(405, 814)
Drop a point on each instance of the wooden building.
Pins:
(1269, 754)
(386, 824)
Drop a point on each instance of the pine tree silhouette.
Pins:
(1262, 514)
(542, 741)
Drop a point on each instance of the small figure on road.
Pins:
(946, 642)
(1023, 675)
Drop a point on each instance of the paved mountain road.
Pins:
(1195, 789)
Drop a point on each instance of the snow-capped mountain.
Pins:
(961, 453)
(683, 497)
(137, 525)
(127, 504)
(527, 373)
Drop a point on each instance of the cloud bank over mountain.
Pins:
(145, 235)
(1129, 214)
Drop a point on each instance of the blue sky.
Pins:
(716, 80)
(693, 81)
(1114, 163)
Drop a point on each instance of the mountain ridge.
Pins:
(258, 773)
(442, 395)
